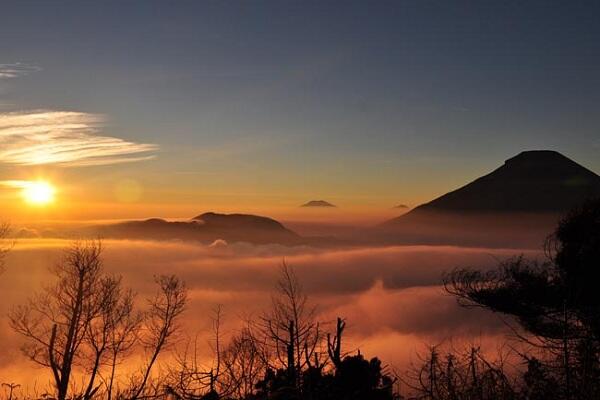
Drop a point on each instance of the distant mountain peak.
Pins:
(317, 203)
(516, 204)
(531, 181)
(539, 157)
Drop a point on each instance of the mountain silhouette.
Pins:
(533, 181)
(515, 205)
(239, 221)
(205, 228)
(317, 203)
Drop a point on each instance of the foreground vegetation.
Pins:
(88, 323)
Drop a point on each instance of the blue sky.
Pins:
(360, 102)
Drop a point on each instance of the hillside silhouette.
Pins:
(206, 228)
(514, 205)
(533, 181)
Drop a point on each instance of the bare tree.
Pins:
(215, 370)
(86, 320)
(234, 371)
(289, 333)
(125, 323)
(189, 378)
(160, 325)
(98, 331)
(243, 365)
(11, 388)
(112, 334)
(286, 337)
(55, 322)
(458, 375)
(334, 345)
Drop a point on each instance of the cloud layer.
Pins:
(64, 138)
(391, 296)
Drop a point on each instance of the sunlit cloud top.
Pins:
(16, 70)
(65, 138)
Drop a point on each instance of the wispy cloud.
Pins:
(16, 184)
(63, 137)
(16, 70)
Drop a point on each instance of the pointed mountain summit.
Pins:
(526, 194)
(533, 181)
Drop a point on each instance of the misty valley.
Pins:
(240, 306)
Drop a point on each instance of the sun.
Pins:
(38, 193)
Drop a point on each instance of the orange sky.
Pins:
(137, 190)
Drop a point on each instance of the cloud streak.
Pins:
(15, 70)
(64, 138)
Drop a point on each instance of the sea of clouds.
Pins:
(391, 297)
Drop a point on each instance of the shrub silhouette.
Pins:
(356, 378)
(555, 302)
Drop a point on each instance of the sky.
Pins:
(135, 109)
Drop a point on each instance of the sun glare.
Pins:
(38, 193)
